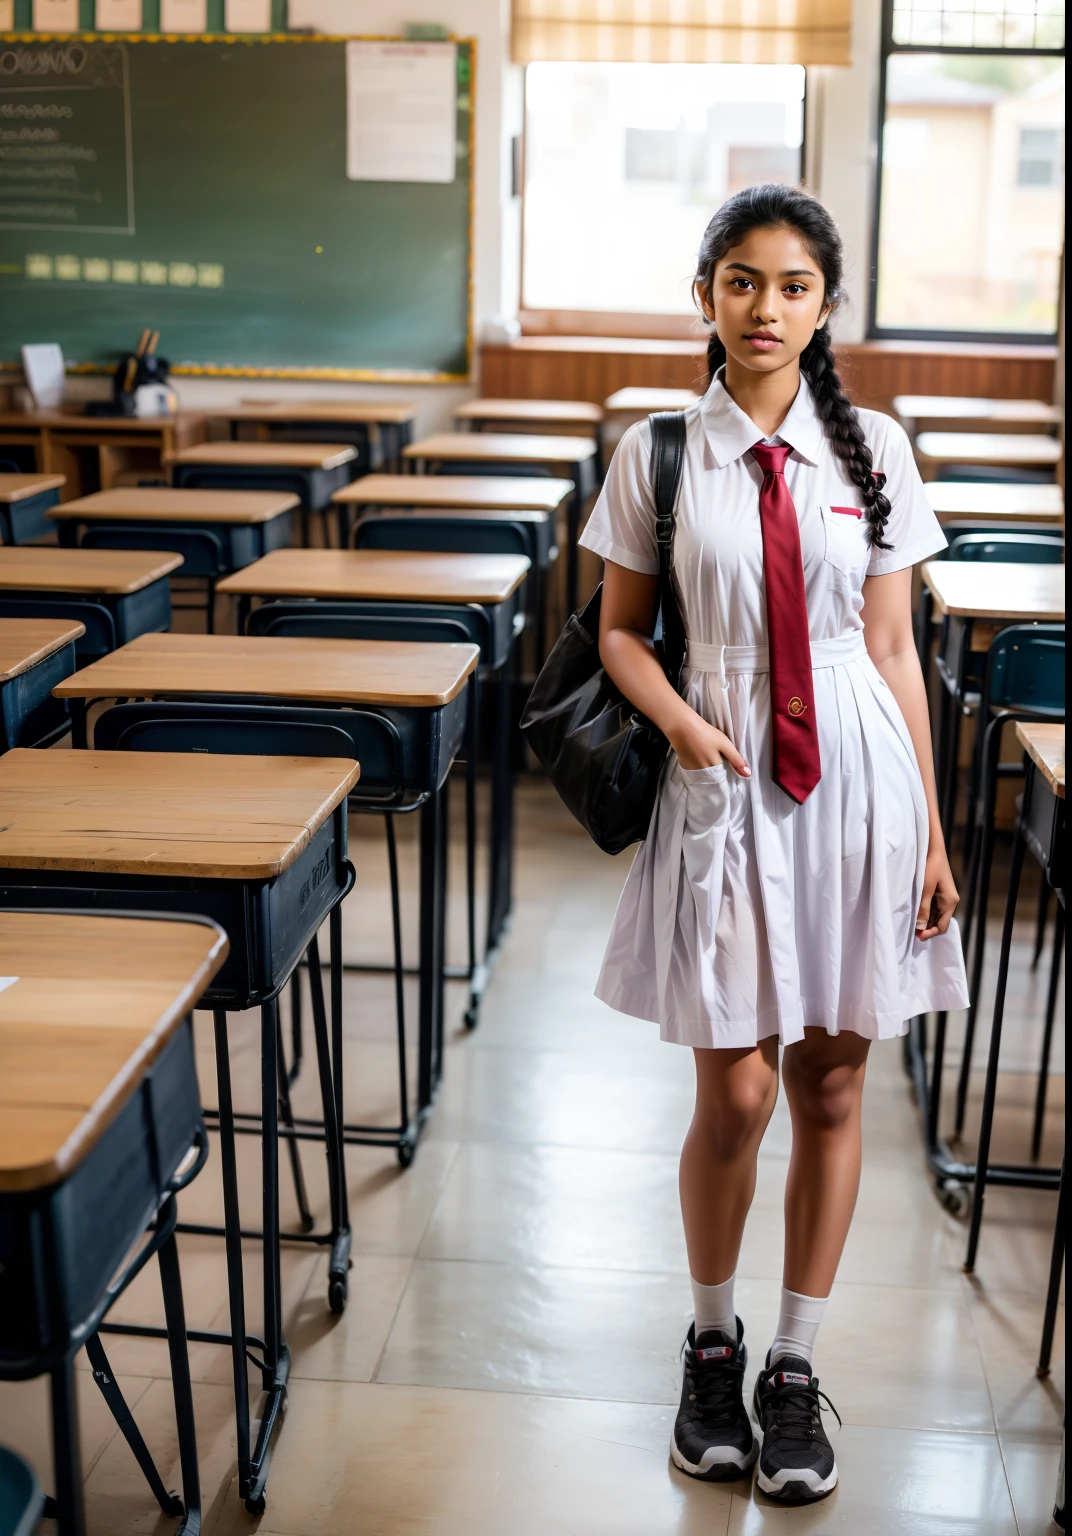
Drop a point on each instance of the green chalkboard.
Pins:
(198, 186)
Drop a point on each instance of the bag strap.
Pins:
(665, 466)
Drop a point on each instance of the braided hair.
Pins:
(773, 205)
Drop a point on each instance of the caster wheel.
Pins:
(405, 1153)
(258, 1505)
(954, 1199)
(472, 1017)
(337, 1295)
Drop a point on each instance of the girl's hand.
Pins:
(940, 895)
(700, 745)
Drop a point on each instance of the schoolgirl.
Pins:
(794, 887)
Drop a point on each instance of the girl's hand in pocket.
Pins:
(700, 745)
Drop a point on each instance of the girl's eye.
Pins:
(741, 283)
(794, 288)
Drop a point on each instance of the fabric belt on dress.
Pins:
(729, 659)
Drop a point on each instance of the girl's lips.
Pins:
(763, 343)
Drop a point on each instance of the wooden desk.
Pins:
(258, 844)
(398, 575)
(311, 471)
(569, 416)
(164, 504)
(35, 655)
(1010, 594)
(573, 458)
(99, 1108)
(456, 493)
(952, 413)
(633, 404)
(1045, 746)
(264, 455)
(936, 451)
(377, 429)
(24, 500)
(95, 452)
(115, 594)
(984, 502)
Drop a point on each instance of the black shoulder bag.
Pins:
(603, 757)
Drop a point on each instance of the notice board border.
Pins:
(255, 39)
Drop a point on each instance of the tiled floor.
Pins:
(506, 1365)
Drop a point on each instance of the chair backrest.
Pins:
(1025, 669)
(262, 730)
(99, 638)
(201, 550)
(452, 535)
(305, 619)
(1010, 548)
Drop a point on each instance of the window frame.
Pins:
(875, 332)
(604, 322)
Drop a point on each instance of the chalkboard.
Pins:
(198, 186)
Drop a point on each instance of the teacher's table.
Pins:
(258, 845)
(419, 689)
(100, 1127)
(35, 655)
(215, 532)
(983, 502)
(484, 588)
(937, 451)
(115, 594)
(311, 471)
(24, 501)
(567, 458)
(93, 451)
(962, 413)
(325, 421)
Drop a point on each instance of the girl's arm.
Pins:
(887, 616)
(626, 625)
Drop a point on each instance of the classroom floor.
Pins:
(507, 1362)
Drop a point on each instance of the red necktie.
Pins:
(794, 732)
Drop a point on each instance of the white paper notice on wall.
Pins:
(401, 111)
(55, 15)
(247, 15)
(184, 15)
(7, 15)
(118, 16)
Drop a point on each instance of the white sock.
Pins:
(713, 1308)
(798, 1324)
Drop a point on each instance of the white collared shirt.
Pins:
(718, 544)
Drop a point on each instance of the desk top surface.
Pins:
(359, 412)
(78, 421)
(997, 591)
(989, 447)
(499, 493)
(266, 455)
(25, 642)
(399, 575)
(93, 1003)
(519, 447)
(190, 814)
(968, 408)
(18, 487)
(403, 673)
(157, 503)
(983, 499)
(581, 413)
(1045, 745)
(117, 572)
(645, 401)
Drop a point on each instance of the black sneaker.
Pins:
(713, 1436)
(797, 1461)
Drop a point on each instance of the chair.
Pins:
(1013, 548)
(454, 535)
(256, 729)
(21, 1499)
(202, 551)
(1024, 679)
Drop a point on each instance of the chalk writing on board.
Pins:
(42, 268)
(65, 138)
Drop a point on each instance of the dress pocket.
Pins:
(845, 533)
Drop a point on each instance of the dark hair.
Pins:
(769, 206)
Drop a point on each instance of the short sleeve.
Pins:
(622, 525)
(912, 529)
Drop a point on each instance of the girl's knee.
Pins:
(735, 1118)
(827, 1095)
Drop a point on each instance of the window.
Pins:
(626, 163)
(971, 181)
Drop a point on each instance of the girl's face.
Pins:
(767, 300)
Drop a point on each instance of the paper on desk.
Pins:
(7, 981)
(401, 111)
(42, 363)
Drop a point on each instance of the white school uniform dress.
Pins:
(744, 914)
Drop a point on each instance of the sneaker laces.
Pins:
(799, 1407)
(714, 1387)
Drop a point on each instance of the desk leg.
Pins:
(66, 1451)
(429, 956)
(233, 1238)
(79, 739)
(573, 533)
(500, 895)
(986, 1123)
(339, 1262)
(442, 863)
(1053, 1290)
(175, 1314)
